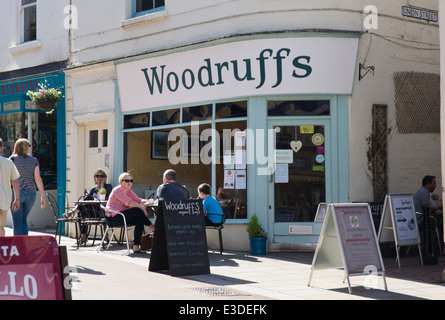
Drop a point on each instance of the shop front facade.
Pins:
(263, 120)
(44, 129)
(260, 120)
(278, 119)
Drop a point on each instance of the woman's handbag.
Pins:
(147, 241)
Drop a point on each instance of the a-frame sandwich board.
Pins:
(348, 241)
(399, 223)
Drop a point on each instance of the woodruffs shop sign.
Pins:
(322, 65)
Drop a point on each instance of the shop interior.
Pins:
(43, 135)
(148, 153)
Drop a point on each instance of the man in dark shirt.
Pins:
(170, 189)
(422, 196)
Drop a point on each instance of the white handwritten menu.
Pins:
(357, 236)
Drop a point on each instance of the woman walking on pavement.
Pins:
(29, 170)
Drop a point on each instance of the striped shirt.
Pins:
(119, 200)
(26, 167)
(8, 172)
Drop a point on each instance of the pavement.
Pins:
(239, 276)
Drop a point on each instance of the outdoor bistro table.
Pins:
(152, 209)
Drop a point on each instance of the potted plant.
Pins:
(45, 98)
(102, 194)
(257, 236)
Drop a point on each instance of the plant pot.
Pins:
(258, 246)
(46, 105)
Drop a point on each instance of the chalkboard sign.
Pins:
(348, 241)
(180, 242)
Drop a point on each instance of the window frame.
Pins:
(22, 9)
(145, 12)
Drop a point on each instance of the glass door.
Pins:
(298, 184)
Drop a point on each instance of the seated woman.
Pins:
(212, 209)
(100, 180)
(124, 200)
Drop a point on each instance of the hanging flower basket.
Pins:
(46, 104)
(45, 98)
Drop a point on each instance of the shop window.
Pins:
(43, 138)
(231, 169)
(148, 6)
(197, 113)
(147, 157)
(44, 146)
(28, 11)
(165, 117)
(298, 108)
(139, 120)
(231, 110)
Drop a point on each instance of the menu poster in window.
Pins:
(281, 173)
(240, 179)
(240, 140)
(229, 159)
(229, 179)
(240, 150)
(180, 243)
(240, 159)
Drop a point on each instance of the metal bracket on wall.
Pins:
(362, 67)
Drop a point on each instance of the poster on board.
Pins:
(348, 241)
(321, 212)
(399, 222)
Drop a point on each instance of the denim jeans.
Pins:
(20, 225)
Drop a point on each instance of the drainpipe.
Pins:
(442, 101)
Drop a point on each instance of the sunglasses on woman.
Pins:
(128, 180)
(99, 176)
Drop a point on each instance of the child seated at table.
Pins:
(212, 208)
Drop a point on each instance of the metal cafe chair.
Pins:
(420, 218)
(90, 215)
(58, 215)
(220, 226)
(113, 229)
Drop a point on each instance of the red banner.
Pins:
(30, 268)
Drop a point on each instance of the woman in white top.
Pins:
(29, 170)
(8, 175)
